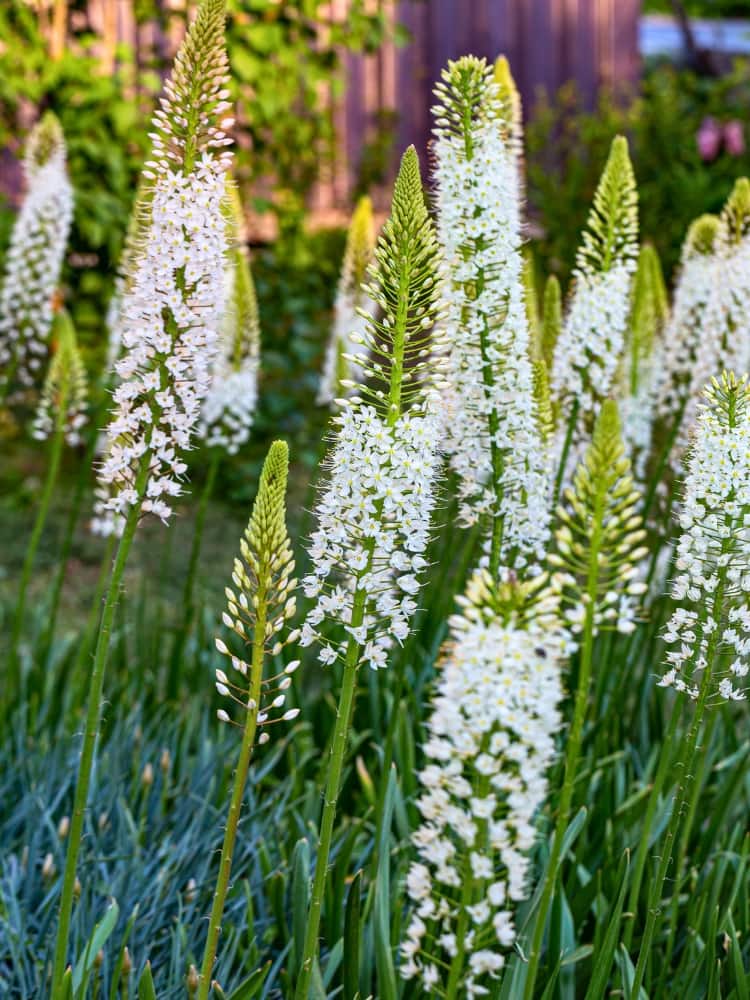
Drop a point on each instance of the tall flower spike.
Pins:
(257, 610)
(34, 258)
(493, 441)
(342, 370)
(491, 741)
(642, 363)
(724, 341)
(590, 348)
(171, 312)
(512, 116)
(262, 600)
(229, 407)
(695, 284)
(375, 508)
(710, 626)
(601, 509)
(64, 396)
(598, 552)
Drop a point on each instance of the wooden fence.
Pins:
(548, 42)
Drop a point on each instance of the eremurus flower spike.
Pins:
(590, 347)
(375, 508)
(64, 397)
(598, 549)
(170, 316)
(342, 370)
(34, 259)
(172, 308)
(259, 603)
(492, 439)
(229, 407)
(491, 739)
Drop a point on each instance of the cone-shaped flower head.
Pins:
(642, 363)
(342, 370)
(262, 594)
(491, 739)
(511, 114)
(590, 348)
(724, 338)
(34, 258)
(693, 290)
(600, 534)
(375, 505)
(709, 633)
(172, 309)
(492, 435)
(64, 397)
(229, 407)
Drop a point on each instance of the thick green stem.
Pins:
(333, 786)
(188, 600)
(572, 753)
(657, 788)
(53, 467)
(238, 792)
(96, 683)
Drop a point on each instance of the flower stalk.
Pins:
(169, 318)
(387, 438)
(262, 604)
(597, 549)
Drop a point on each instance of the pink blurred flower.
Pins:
(734, 137)
(708, 138)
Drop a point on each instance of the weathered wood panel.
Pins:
(548, 42)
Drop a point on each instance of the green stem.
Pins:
(188, 600)
(53, 467)
(238, 792)
(572, 420)
(572, 753)
(333, 786)
(96, 683)
(657, 788)
(688, 752)
(688, 746)
(687, 827)
(79, 675)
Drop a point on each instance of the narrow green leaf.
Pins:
(251, 986)
(351, 938)
(146, 990)
(300, 897)
(95, 943)
(606, 953)
(387, 987)
(67, 985)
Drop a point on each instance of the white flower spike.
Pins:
(34, 259)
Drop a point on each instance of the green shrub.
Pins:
(567, 144)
